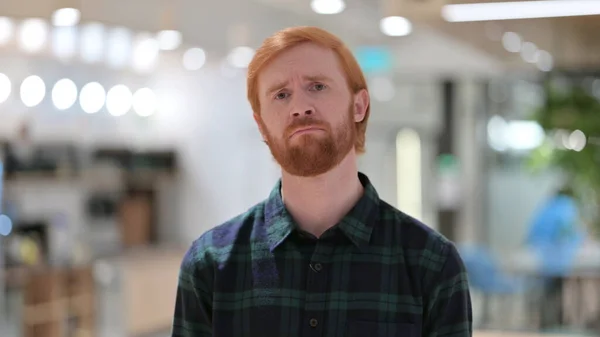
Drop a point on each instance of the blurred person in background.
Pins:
(19, 154)
(555, 237)
(323, 255)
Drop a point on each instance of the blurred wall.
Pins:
(205, 116)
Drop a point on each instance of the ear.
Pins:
(260, 125)
(361, 105)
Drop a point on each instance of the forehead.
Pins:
(304, 60)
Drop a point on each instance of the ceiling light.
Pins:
(92, 97)
(395, 26)
(169, 39)
(66, 17)
(33, 91)
(327, 7)
(118, 51)
(194, 59)
(240, 57)
(529, 52)
(519, 10)
(118, 100)
(33, 34)
(545, 62)
(145, 53)
(92, 42)
(7, 28)
(511, 42)
(64, 94)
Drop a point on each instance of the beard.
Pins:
(313, 153)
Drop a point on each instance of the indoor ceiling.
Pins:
(573, 42)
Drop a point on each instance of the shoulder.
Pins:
(214, 245)
(424, 248)
(412, 233)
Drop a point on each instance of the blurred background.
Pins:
(125, 134)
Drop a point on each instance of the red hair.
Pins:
(291, 37)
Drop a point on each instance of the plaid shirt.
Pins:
(376, 273)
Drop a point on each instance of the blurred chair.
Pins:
(487, 278)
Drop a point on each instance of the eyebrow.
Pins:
(312, 78)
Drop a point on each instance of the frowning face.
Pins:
(308, 113)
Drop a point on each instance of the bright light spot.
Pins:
(529, 52)
(560, 139)
(33, 91)
(328, 6)
(6, 225)
(92, 42)
(240, 57)
(33, 35)
(524, 135)
(545, 62)
(145, 53)
(92, 97)
(5, 88)
(511, 10)
(577, 140)
(496, 130)
(64, 94)
(194, 59)
(511, 42)
(7, 29)
(144, 102)
(119, 100)
(66, 17)
(119, 47)
(395, 26)
(169, 39)
(382, 89)
(409, 188)
(64, 41)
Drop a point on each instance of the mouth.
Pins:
(305, 130)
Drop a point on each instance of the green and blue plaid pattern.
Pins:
(378, 272)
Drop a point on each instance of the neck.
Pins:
(318, 203)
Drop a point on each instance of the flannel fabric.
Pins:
(378, 272)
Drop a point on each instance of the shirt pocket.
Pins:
(381, 329)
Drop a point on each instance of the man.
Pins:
(322, 255)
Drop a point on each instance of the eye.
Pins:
(281, 95)
(318, 87)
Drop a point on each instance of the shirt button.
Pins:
(318, 267)
(313, 322)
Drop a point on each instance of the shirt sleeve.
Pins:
(193, 308)
(449, 311)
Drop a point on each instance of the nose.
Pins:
(302, 106)
(306, 112)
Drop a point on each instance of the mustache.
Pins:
(305, 123)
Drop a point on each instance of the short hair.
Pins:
(287, 38)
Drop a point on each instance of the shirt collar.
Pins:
(357, 225)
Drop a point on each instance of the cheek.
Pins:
(271, 124)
